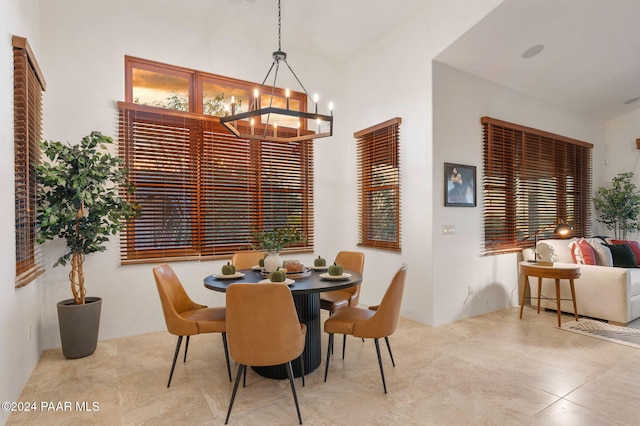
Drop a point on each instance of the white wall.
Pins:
(460, 99)
(18, 307)
(84, 44)
(393, 78)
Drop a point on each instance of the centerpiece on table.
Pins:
(274, 241)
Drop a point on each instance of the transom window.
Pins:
(181, 89)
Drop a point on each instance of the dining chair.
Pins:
(184, 317)
(336, 299)
(264, 330)
(246, 259)
(373, 323)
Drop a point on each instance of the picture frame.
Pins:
(460, 187)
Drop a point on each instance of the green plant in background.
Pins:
(619, 206)
(278, 238)
(79, 200)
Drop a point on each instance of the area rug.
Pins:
(629, 335)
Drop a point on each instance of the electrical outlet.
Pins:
(448, 229)
(29, 332)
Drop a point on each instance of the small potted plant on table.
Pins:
(274, 241)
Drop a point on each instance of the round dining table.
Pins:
(306, 296)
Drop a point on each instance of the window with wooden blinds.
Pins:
(28, 85)
(532, 179)
(379, 185)
(202, 191)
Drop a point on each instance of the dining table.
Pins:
(306, 296)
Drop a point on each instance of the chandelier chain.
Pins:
(279, 27)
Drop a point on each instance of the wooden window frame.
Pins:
(378, 144)
(197, 80)
(268, 205)
(27, 97)
(531, 179)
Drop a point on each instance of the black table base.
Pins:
(308, 308)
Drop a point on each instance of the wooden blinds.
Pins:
(203, 191)
(532, 179)
(28, 85)
(379, 185)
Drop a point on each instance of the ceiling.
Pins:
(590, 62)
(591, 57)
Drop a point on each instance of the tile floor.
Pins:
(493, 369)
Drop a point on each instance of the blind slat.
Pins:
(379, 185)
(532, 179)
(202, 191)
(28, 88)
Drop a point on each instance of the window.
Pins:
(28, 85)
(202, 191)
(379, 185)
(182, 89)
(532, 179)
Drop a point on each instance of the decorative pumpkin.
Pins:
(228, 269)
(278, 276)
(319, 262)
(336, 270)
(261, 263)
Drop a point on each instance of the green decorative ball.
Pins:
(278, 276)
(228, 269)
(261, 262)
(336, 270)
(319, 262)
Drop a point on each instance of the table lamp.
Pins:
(562, 230)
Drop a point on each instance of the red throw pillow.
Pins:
(582, 252)
(635, 247)
(588, 253)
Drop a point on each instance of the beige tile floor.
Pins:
(493, 369)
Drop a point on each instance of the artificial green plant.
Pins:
(82, 193)
(276, 239)
(619, 206)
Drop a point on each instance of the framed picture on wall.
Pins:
(459, 185)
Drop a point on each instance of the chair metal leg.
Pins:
(326, 367)
(244, 378)
(386, 339)
(344, 344)
(384, 385)
(235, 389)
(175, 357)
(186, 348)
(293, 389)
(226, 353)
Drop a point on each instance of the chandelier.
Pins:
(261, 123)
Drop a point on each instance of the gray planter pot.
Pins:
(79, 325)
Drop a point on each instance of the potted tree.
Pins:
(79, 201)
(274, 240)
(619, 206)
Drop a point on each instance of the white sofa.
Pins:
(603, 292)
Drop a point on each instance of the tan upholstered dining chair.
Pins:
(264, 330)
(184, 317)
(246, 259)
(373, 323)
(334, 300)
